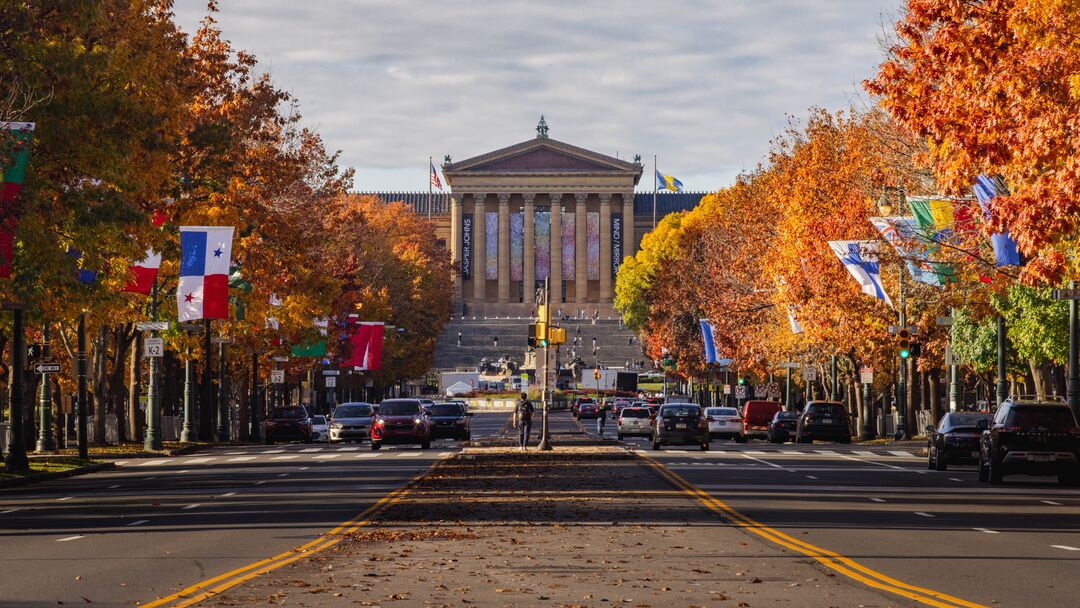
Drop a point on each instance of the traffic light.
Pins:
(531, 335)
(541, 334)
(557, 335)
(742, 380)
(903, 339)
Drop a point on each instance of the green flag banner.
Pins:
(315, 349)
(15, 147)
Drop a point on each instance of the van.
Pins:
(756, 417)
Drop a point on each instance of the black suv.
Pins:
(680, 424)
(1031, 438)
(450, 420)
(823, 420)
(289, 424)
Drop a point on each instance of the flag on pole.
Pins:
(367, 341)
(903, 234)
(435, 182)
(667, 182)
(986, 188)
(205, 255)
(708, 338)
(83, 275)
(795, 327)
(860, 259)
(12, 173)
(141, 275)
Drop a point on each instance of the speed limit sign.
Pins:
(154, 347)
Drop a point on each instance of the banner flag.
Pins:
(12, 172)
(903, 234)
(860, 259)
(205, 255)
(795, 327)
(708, 338)
(1006, 252)
(367, 342)
(141, 275)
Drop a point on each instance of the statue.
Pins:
(637, 159)
(446, 160)
(541, 128)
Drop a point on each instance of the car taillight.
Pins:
(1011, 429)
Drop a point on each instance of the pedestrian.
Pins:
(601, 418)
(523, 415)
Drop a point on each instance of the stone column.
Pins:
(556, 251)
(581, 269)
(504, 247)
(605, 247)
(479, 264)
(455, 243)
(528, 258)
(628, 225)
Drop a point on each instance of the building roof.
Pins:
(670, 202)
(541, 155)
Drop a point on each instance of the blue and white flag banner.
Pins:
(986, 188)
(860, 258)
(708, 338)
(903, 234)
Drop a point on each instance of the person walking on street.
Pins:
(523, 413)
(601, 418)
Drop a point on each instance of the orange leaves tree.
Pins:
(993, 87)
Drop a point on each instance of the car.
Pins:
(955, 440)
(426, 404)
(588, 410)
(351, 421)
(756, 417)
(288, 424)
(450, 420)
(401, 421)
(319, 428)
(577, 404)
(680, 424)
(617, 406)
(725, 422)
(823, 420)
(634, 421)
(1032, 438)
(782, 427)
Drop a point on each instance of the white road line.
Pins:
(409, 454)
(880, 464)
(304, 468)
(241, 459)
(921, 514)
(201, 460)
(756, 452)
(1066, 547)
(348, 449)
(903, 454)
(771, 464)
(955, 479)
(113, 487)
(676, 451)
(326, 456)
(8, 511)
(234, 453)
(151, 478)
(827, 452)
(368, 455)
(64, 540)
(1050, 502)
(877, 499)
(228, 494)
(305, 450)
(286, 457)
(184, 471)
(811, 477)
(283, 475)
(987, 530)
(121, 463)
(259, 483)
(863, 452)
(274, 452)
(789, 452)
(444, 454)
(192, 506)
(138, 522)
(64, 498)
(153, 463)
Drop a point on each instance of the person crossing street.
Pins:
(601, 417)
(523, 415)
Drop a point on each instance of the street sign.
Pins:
(790, 365)
(221, 340)
(153, 347)
(944, 321)
(809, 373)
(277, 376)
(279, 359)
(1067, 294)
(330, 372)
(740, 391)
(773, 390)
(866, 375)
(191, 326)
(727, 389)
(331, 382)
(152, 325)
(952, 359)
(551, 377)
(47, 368)
(760, 390)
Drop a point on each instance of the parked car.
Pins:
(756, 417)
(351, 421)
(823, 420)
(450, 420)
(288, 424)
(782, 427)
(955, 440)
(680, 424)
(634, 421)
(1032, 438)
(726, 423)
(319, 428)
(588, 410)
(401, 421)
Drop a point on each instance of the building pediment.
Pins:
(542, 156)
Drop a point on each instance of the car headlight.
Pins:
(417, 420)
(336, 426)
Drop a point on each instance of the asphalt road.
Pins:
(154, 526)
(1011, 545)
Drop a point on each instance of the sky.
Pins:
(704, 85)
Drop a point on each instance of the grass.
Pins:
(128, 449)
(46, 465)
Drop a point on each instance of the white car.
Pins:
(725, 422)
(634, 421)
(319, 427)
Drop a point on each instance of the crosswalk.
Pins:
(316, 454)
(887, 454)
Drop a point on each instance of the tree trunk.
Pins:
(240, 396)
(134, 389)
(1038, 378)
(101, 345)
(935, 398)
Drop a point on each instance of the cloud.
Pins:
(703, 85)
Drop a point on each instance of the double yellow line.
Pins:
(222, 582)
(829, 559)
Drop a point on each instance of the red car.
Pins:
(401, 421)
(588, 410)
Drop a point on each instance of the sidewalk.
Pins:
(582, 526)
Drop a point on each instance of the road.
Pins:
(153, 526)
(1011, 545)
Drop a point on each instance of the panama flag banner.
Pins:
(367, 342)
(141, 275)
(205, 255)
(707, 336)
(12, 173)
(860, 259)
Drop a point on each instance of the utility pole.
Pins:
(188, 431)
(956, 393)
(901, 372)
(206, 403)
(1002, 358)
(84, 441)
(16, 461)
(222, 396)
(256, 430)
(1072, 389)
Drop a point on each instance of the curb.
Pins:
(35, 478)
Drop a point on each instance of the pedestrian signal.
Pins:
(532, 335)
(557, 335)
(541, 334)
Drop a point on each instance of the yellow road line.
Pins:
(232, 578)
(832, 560)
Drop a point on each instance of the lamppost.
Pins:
(901, 369)
(45, 441)
(152, 440)
(16, 460)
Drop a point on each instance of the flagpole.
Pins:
(654, 191)
(431, 169)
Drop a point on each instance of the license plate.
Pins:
(1040, 457)
(680, 426)
(975, 454)
(826, 421)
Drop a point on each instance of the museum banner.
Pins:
(616, 243)
(466, 245)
